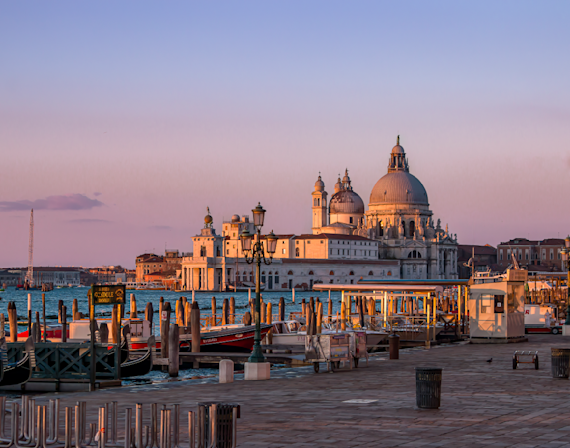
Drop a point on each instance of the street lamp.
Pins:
(565, 255)
(257, 256)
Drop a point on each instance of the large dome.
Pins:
(346, 201)
(399, 187)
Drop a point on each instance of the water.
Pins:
(204, 300)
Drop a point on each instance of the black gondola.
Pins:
(141, 365)
(110, 357)
(21, 371)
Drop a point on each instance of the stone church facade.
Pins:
(398, 217)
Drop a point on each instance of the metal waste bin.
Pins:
(428, 387)
(217, 421)
(560, 362)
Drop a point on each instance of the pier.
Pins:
(483, 404)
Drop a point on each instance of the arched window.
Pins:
(389, 273)
(311, 273)
(318, 202)
(203, 251)
(217, 251)
(351, 273)
(331, 273)
(315, 202)
(371, 273)
(296, 251)
(290, 273)
(263, 272)
(380, 228)
(403, 228)
(412, 228)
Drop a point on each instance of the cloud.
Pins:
(160, 228)
(97, 194)
(87, 221)
(63, 202)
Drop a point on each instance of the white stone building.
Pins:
(398, 217)
(300, 261)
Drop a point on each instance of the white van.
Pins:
(534, 319)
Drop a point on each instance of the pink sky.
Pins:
(121, 134)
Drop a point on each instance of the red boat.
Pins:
(231, 338)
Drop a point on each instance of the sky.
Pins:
(120, 122)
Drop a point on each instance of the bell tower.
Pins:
(319, 206)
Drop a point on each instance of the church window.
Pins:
(403, 228)
(217, 251)
(319, 202)
(203, 251)
(315, 202)
(296, 251)
(412, 228)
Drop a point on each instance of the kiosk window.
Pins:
(486, 304)
(499, 304)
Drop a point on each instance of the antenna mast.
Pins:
(30, 274)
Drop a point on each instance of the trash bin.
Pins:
(560, 362)
(428, 387)
(222, 428)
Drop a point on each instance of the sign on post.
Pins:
(109, 295)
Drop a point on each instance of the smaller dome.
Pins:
(338, 185)
(346, 179)
(319, 184)
(346, 201)
(398, 150)
(235, 218)
(208, 218)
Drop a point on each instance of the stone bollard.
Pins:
(226, 371)
(394, 341)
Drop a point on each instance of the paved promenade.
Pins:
(483, 404)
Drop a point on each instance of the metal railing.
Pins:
(38, 425)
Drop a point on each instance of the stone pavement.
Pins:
(483, 404)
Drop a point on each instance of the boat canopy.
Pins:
(401, 288)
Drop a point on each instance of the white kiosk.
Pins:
(496, 310)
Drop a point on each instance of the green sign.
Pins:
(108, 295)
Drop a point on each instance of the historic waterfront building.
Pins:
(300, 261)
(398, 218)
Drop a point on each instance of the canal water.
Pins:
(204, 300)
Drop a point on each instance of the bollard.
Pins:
(394, 344)
(173, 349)
(226, 371)
(133, 307)
(104, 332)
(63, 323)
(281, 309)
(232, 310)
(225, 312)
(247, 318)
(164, 329)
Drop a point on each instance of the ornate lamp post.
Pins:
(257, 256)
(565, 255)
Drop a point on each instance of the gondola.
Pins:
(110, 357)
(141, 365)
(21, 371)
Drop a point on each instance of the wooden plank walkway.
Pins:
(483, 404)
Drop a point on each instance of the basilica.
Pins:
(394, 239)
(398, 217)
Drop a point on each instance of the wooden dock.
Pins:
(213, 358)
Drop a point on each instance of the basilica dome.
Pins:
(398, 186)
(346, 201)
